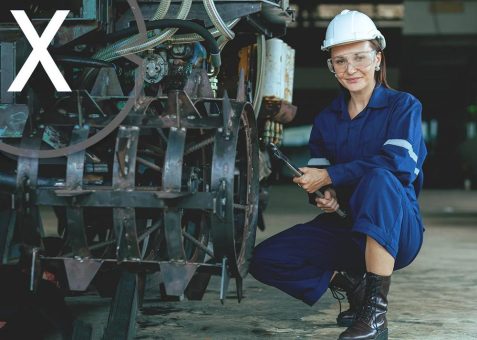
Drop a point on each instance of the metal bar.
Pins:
(172, 181)
(109, 198)
(124, 170)
(7, 71)
(224, 280)
(149, 164)
(28, 224)
(33, 269)
(197, 243)
(94, 247)
(76, 228)
(122, 314)
(150, 230)
(7, 227)
(199, 145)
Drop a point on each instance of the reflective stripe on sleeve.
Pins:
(416, 171)
(403, 144)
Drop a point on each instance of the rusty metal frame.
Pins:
(223, 172)
(75, 226)
(124, 218)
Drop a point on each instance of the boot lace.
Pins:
(337, 293)
(369, 306)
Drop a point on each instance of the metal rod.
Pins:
(197, 243)
(150, 230)
(148, 164)
(32, 272)
(199, 145)
(94, 247)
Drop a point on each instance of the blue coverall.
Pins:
(376, 171)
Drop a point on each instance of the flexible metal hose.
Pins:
(222, 41)
(217, 19)
(209, 41)
(161, 10)
(193, 37)
(124, 47)
(82, 61)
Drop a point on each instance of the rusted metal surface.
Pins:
(124, 170)
(277, 110)
(173, 189)
(75, 226)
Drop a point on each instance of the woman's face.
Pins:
(354, 65)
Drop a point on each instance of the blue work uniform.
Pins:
(376, 171)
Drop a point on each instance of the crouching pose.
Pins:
(372, 136)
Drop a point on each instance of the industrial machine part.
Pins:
(151, 162)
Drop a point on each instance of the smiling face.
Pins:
(355, 64)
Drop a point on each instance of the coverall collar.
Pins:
(378, 100)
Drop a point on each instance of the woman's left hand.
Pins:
(312, 179)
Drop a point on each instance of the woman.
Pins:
(371, 134)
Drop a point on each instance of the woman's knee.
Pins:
(379, 174)
(377, 180)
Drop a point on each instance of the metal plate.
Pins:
(75, 227)
(124, 170)
(234, 239)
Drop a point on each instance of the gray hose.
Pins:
(222, 41)
(161, 10)
(217, 19)
(124, 47)
(261, 61)
(193, 37)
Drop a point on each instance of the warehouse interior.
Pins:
(430, 54)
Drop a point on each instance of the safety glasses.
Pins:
(359, 60)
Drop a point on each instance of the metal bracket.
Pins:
(80, 272)
(221, 200)
(227, 114)
(176, 276)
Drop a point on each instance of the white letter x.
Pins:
(40, 52)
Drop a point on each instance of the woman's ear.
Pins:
(378, 59)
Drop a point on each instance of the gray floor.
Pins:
(434, 298)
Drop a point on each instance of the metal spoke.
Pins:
(149, 164)
(200, 145)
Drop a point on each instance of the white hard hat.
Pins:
(351, 26)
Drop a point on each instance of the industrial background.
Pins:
(430, 54)
(147, 232)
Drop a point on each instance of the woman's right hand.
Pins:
(329, 203)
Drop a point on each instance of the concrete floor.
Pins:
(434, 298)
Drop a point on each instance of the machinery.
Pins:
(151, 165)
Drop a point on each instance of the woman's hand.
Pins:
(329, 203)
(312, 179)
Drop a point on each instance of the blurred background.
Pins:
(430, 52)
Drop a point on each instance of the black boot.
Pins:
(352, 284)
(371, 320)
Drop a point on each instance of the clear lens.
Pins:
(359, 60)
